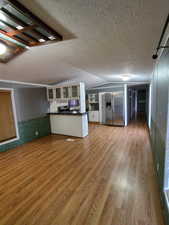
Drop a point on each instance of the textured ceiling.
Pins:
(103, 38)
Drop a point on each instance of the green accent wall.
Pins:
(27, 130)
(158, 147)
(159, 126)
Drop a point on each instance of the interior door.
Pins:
(7, 123)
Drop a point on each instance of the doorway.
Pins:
(138, 102)
(8, 126)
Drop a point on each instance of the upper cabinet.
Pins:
(93, 98)
(75, 91)
(64, 92)
(58, 93)
(50, 94)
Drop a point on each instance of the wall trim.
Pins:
(150, 106)
(57, 84)
(166, 198)
(125, 104)
(121, 83)
(25, 83)
(95, 88)
(15, 117)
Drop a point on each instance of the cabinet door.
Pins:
(90, 97)
(50, 94)
(58, 93)
(90, 116)
(65, 92)
(93, 98)
(96, 116)
(75, 91)
(96, 98)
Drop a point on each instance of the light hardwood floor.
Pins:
(105, 179)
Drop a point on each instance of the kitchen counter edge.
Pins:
(67, 113)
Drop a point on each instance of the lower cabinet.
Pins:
(69, 125)
(93, 116)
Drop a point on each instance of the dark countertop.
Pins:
(67, 113)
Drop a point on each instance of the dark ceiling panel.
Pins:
(19, 22)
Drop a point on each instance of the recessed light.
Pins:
(19, 27)
(2, 49)
(125, 78)
(2, 17)
(51, 37)
(41, 40)
(2, 24)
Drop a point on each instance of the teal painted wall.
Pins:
(158, 130)
(27, 130)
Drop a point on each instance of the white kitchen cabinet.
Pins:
(50, 94)
(65, 92)
(68, 92)
(93, 116)
(75, 91)
(93, 98)
(58, 93)
(71, 125)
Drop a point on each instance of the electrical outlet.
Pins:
(36, 133)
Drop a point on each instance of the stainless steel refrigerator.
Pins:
(113, 108)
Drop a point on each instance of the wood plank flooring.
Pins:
(106, 178)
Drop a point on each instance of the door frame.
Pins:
(100, 106)
(14, 114)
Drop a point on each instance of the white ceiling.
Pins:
(103, 38)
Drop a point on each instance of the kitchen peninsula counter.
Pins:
(69, 123)
(67, 113)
